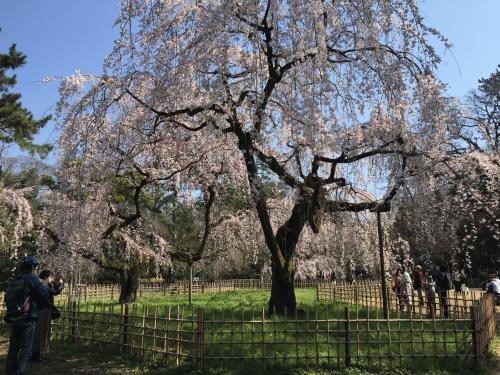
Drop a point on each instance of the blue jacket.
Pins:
(36, 290)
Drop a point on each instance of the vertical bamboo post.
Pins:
(252, 348)
(473, 315)
(338, 332)
(132, 328)
(72, 322)
(317, 334)
(155, 330)
(190, 289)
(124, 310)
(143, 329)
(328, 354)
(378, 338)
(307, 338)
(110, 322)
(231, 331)
(200, 331)
(389, 339)
(166, 332)
(400, 347)
(102, 320)
(412, 346)
(263, 335)
(347, 338)
(92, 327)
(242, 337)
(368, 335)
(178, 338)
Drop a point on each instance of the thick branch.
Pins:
(382, 205)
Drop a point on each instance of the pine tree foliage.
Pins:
(17, 124)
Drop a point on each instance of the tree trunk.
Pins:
(282, 292)
(129, 283)
(287, 236)
(282, 246)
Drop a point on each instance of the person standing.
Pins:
(396, 287)
(493, 286)
(443, 284)
(41, 337)
(430, 294)
(333, 278)
(418, 283)
(457, 280)
(407, 289)
(23, 326)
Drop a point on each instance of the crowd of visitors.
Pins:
(426, 282)
(29, 300)
(434, 281)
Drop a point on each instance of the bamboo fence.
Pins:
(111, 292)
(369, 294)
(330, 335)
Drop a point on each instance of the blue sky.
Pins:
(59, 36)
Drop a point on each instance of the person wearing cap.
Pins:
(21, 335)
(418, 283)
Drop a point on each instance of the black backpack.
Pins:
(17, 300)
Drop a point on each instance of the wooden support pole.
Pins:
(382, 266)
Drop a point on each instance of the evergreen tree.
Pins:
(17, 124)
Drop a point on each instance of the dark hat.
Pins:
(30, 262)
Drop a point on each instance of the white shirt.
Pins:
(406, 279)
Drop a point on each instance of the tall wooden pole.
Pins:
(382, 266)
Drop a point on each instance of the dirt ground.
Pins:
(68, 361)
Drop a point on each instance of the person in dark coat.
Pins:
(442, 286)
(418, 283)
(21, 334)
(43, 328)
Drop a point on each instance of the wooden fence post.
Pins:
(125, 328)
(473, 315)
(200, 332)
(347, 338)
(73, 322)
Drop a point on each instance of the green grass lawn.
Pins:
(239, 335)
